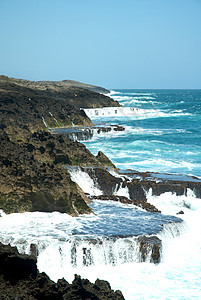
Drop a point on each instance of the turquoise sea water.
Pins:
(165, 136)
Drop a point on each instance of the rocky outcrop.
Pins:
(32, 177)
(106, 182)
(67, 92)
(140, 186)
(104, 160)
(21, 106)
(20, 279)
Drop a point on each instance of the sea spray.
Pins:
(87, 184)
(63, 251)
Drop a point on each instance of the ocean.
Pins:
(162, 134)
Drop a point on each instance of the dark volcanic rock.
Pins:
(104, 160)
(20, 279)
(138, 188)
(22, 106)
(15, 266)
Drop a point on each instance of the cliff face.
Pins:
(32, 176)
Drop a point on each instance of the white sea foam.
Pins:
(130, 112)
(44, 122)
(86, 183)
(170, 203)
(89, 185)
(153, 131)
(117, 262)
(121, 191)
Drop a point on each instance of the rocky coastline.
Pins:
(34, 176)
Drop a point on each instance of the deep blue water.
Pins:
(164, 137)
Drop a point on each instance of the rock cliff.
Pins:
(32, 177)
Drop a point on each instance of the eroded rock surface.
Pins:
(32, 177)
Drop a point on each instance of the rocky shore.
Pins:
(35, 176)
(20, 279)
(137, 185)
(31, 174)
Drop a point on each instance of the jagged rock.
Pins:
(31, 181)
(34, 250)
(181, 212)
(104, 160)
(105, 181)
(138, 188)
(15, 266)
(20, 279)
(31, 174)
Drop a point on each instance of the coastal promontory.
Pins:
(32, 176)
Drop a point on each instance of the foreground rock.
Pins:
(20, 279)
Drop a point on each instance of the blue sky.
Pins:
(115, 44)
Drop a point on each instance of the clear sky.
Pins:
(112, 43)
